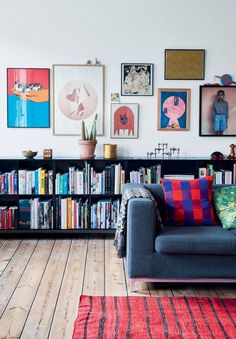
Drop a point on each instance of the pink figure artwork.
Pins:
(173, 108)
(123, 120)
(77, 100)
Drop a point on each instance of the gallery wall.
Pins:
(40, 34)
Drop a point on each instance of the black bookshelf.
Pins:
(99, 191)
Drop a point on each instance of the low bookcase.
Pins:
(74, 196)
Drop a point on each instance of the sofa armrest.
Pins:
(141, 230)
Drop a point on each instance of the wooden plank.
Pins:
(183, 289)
(15, 315)
(68, 301)
(94, 272)
(12, 274)
(160, 289)
(40, 317)
(226, 290)
(206, 290)
(114, 272)
(7, 249)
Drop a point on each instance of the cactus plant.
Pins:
(85, 135)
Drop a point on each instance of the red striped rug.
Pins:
(166, 317)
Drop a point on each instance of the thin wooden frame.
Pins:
(137, 79)
(78, 94)
(184, 64)
(173, 109)
(207, 96)
(124, 121)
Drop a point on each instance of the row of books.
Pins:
(72, 182)
(8, 182)
(149, 175)
(220, 176)
(35, 214)
(104, 214)
(38, 181)
(109, 181)
(8, 217)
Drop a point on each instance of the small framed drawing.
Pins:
(137, 79)
(217, 111)
(124, 121)
(173, 109)
(78, 94)
(184, 64)
(28, 98)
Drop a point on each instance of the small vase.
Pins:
(87, 148)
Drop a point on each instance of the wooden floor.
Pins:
(41, 281)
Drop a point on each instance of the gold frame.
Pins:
(184, 64)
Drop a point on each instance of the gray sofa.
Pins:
(176, 253)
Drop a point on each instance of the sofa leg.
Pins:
(133, 286)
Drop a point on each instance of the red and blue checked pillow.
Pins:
(189, 202)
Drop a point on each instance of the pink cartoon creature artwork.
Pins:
(124, 120)
(173, 108)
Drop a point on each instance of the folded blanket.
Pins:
(120, 236)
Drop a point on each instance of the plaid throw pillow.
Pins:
(189, 202)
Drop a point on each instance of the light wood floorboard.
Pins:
(41, 282)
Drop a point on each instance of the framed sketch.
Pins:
(217, 111)
(184, 64)
(78, 94)
(173, 109)
(28, 97)
(124, 121)
(137, 79)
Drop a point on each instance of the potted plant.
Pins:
(88, 140)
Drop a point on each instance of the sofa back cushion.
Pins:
(189, 202)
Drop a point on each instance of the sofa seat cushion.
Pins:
(196, 240)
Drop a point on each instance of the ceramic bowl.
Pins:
(29, 154)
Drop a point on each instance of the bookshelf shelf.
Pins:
(59, 197)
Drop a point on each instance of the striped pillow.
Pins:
(189, 202)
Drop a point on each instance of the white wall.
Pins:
(46, 32)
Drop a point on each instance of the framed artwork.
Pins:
(124, 121)
(184, 64)
(78, 94)
(137, 79)
(28, 98)
(173, 109)
(217, 111)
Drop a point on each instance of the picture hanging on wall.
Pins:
(78, 95)
(28, 98)
(184, 64)
(124, 121)
(217, 111)
(173, 109)
(137, 79)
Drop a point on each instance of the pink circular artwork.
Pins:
(173, 108)
(77, 100)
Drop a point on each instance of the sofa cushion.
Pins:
(225, 205)
(196, 240)
(189, 202)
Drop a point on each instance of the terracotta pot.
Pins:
(87, 148)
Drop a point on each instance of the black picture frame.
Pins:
(209, 125)
(137, 79)
(184, 64)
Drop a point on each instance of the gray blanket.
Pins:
(120, 236)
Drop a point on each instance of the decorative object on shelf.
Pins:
(217, 111)
(184, 64)
(78, 93)
(225, 79)
(232, 151)
(109, 151)
(137, 79)
(47, 153)
(217, 156)
(162, 150)
(28, 98)
(29, 154)
(173, 109)
(88, 140)
(115, 97)
(124, 121)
